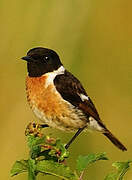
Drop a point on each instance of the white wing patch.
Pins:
(93, 124)
(83, 97)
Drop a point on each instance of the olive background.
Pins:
(94, 41)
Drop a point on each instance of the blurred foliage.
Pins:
(49, 156)
(93, 39)
(122, 168)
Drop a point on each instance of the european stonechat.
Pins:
(58, 98)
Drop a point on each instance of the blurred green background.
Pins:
(94, 41)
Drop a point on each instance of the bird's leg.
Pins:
(74, 137)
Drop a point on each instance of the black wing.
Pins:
(70, 87)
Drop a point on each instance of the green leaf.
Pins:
(34, 141)
(84, 161)
(19, 167)
(60, 147)
(111, 176)
(34, 145)
(56, 169)
(122, 168)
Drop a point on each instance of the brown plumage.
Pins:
(86, 106)
(115, 141)
(50, 108)
(57, 97)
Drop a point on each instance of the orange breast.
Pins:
(49, 106)
(44, 98)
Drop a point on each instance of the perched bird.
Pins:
(58, 98)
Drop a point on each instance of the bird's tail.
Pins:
(114, 140)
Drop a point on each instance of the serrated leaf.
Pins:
(19, 167)
(122, 168)
(84, 161)
(56, 169)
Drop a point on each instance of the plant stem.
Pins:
(31, 176)
(31, 170)
(81, 176)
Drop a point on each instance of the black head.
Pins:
(41, 60)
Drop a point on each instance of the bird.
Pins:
(58, 98)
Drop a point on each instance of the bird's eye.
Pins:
(46, 58)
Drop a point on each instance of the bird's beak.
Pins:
(27, 58)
